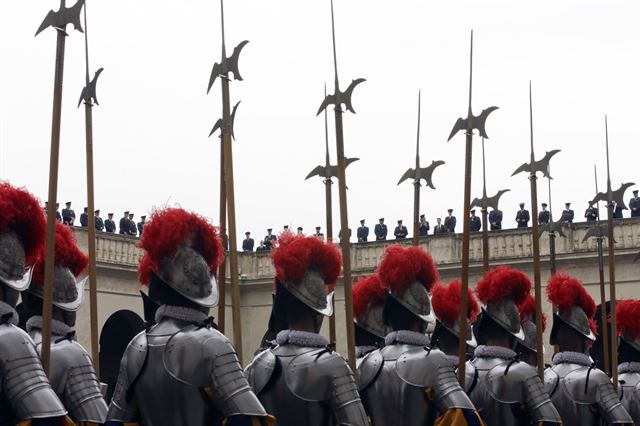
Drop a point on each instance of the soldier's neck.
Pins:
(502, 341)
(304, 324)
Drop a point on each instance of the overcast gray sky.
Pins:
(150, 130)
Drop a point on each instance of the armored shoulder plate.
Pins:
(311, 375)
(22, 379)
(505, 381)
(131, 366)
(369, 368)
(470, 377)
(551, 380)
(260, 370)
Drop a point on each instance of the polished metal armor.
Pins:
(178, 373)
(584, 395)
(508, 392)
(74, 379)
(404, 384)
(629, 388)
(309, 386)
(25, 392)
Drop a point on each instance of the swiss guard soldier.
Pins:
(84, 217)
(527, 348)
(582, 393)
(475, 223)
(544, 216)
(407, 382)
(446, 307)
(72, 375)
(25, 393)
(634, 204)
(628, 321)
(124, 223)
(68, 215)
(507, 391)
(401, 231)
(423, 229)
(495, 219)
(182, 371)
(301, 381)
(363, 232)
(567, 214)
(368, 303)
(450, 221)
(109, 224)
(380, 230)
(98, 221)
(522, 217)
(591, 214)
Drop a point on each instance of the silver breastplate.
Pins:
(629, 386)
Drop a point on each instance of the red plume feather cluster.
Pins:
(21, 212)
(502, 283)
(628, 317)
(446, 303)
(565, 291)
(528, 309)
(401, 266)
(167, 230)
(295, 254)
(67, 255)
(366, 292)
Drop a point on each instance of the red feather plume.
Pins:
(446, 303)
(366, 292)
(628, 317)
(295, 254)
(565, 291)
(67, 255)
(401, 266)
(502, 283)
(528, 310)
(167, 229)
(21, 212)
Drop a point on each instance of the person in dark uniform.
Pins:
(439, 228)
(495, 219)
(98, 222)
(475, 223)
(285, 228)
(380, 230)
(269, 239)
(132, 225)
(591, 214)
(634, 204)
(348, 239)
(58, 215)
(247, 244)
(450, 221)
(363, 232)
(318, 233)
(567, 214)
(124, 223)
(544, 216)
(141, 225)
(299, 230)
(68, 215)
(84, 218)
(523, 217)
(109, 224)
(617, 211)
(401, 231)
(423, 227)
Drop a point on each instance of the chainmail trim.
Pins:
(568, 357)
(629, 367)
(406, 337)
(180, 313)
(484, 351)
(453, 359)
(301, 338)
(57, 327)
(5, 309)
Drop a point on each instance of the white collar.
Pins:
(180, 313)
(301, 338)
(58, 328)
(406, 337)
(569, 357)
(12, 314)
(629, 367)
(484, 351)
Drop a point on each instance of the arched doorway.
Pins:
(116, 334)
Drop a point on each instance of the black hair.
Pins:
(288, 309)
(485, 326)
(627, 353)
(445, 340)
(398, 317)
(161, 292)
(366, 338)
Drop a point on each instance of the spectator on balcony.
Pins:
(591, 214)
(285, 228)
(474, 222)
(319, 234)
(141, 225)
(362, 232)
(68, 215)
(401, 231)
(634, 204)
(523, 217)
(423, 228)
(124, 223)
(544, 216)
(109, 224)
(495, 219)
(99, 223)
(132, 226)
(450, 221)
(439, 228)
(270, 239)
(58, 215)
(380, 230)
(261, 247)
(247, 244)
(567, 214)
(617, 211)
(299, 230)
(84, 218)
(348, 239)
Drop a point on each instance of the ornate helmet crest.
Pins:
(628, 322)
(576, 307)
(528, 323)
(446, 302)
(368, 304)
